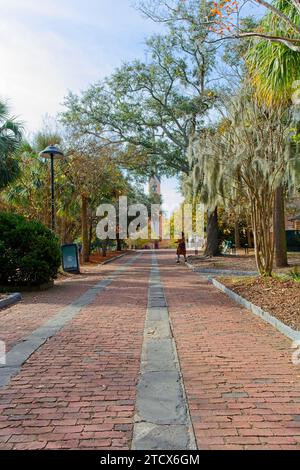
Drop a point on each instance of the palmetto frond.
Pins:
(10, 141)
(274, 68)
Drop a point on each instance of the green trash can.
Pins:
(70, 258)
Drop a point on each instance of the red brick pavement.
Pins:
(242, 388)
(35, 309)
(78, 390)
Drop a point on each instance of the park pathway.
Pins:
(145, 328)
(78, 389)
(242, 388)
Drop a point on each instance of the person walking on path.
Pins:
(181, 249)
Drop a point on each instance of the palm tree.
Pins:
(274, 69)
(10, 140)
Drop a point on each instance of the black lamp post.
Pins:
(52, 152)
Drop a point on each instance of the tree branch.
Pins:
(288, 42)
(281, 15)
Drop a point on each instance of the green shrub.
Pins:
(29, 252)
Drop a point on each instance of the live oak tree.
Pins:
(203, 185)
(151, 108)
(197, 16)
(209, 184)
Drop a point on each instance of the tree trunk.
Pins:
(212, 244)
(104, 248)
(90, 235)
(237, 234)
(63, 235)
(279, 229)
(84, 228)
(119, 241)
(262, 211)
(249, 237)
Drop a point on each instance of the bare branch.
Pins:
(289, 42)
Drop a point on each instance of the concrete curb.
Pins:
(284, 329)
(190, 266)
(11, 300)
(110, 260)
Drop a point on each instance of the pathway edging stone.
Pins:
(284, 329)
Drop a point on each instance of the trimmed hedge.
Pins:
(29, 252)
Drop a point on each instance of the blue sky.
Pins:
(48, 47)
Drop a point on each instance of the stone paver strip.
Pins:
(242, 388)
(162, 416)
(78, 391)
(35, 309)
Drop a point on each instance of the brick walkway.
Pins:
(78, 390)
(243, 391)
(36, 308)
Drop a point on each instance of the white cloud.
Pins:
(50, 8)
(38, 69)
(50, 47)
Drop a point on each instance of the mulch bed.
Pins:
(279, 297)
(227, 262)
(239, 262)
(95, 260)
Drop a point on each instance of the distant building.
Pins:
(155, 190)
(293, 224)
(296, 222)
(155, 185)
(293, 214)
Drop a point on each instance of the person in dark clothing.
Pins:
(181, 250)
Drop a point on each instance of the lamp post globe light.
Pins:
(53, 153)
